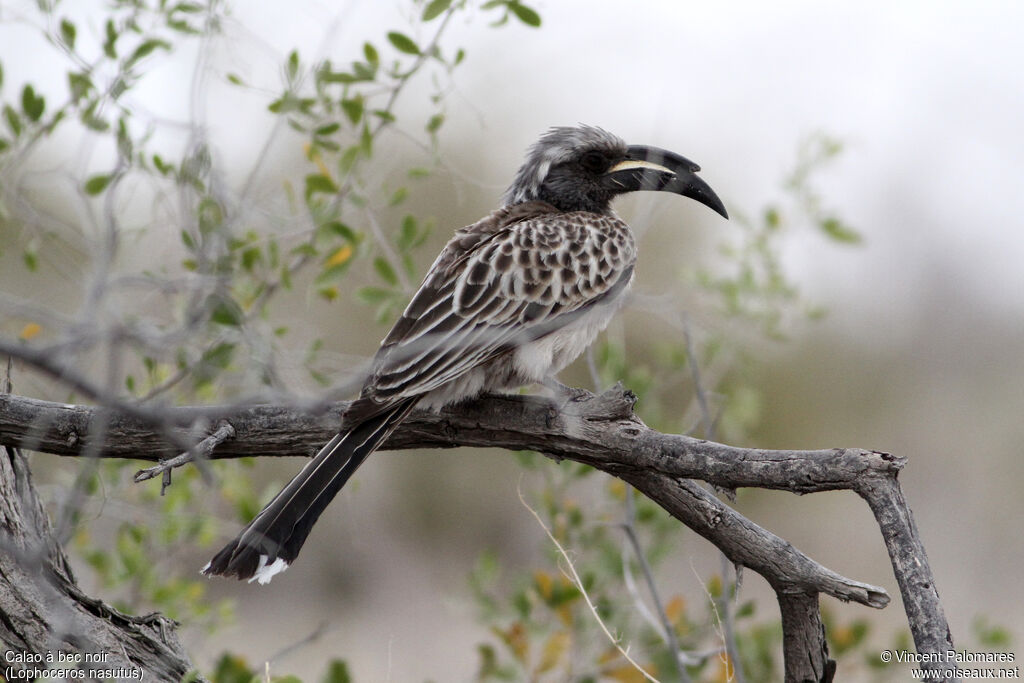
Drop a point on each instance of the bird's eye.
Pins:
(594, 162)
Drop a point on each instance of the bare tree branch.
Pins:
(601, 431)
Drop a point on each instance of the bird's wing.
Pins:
(497, 286)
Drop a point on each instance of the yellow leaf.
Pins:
(617, 488)
(715, 586)
(516, 639)
(314, 156)
(554, 649)
(842, 636)
(30, 330)
(725, 671)
(675, 608)
(543, 581)
(564, 613)
(340, 255)
(627, 673)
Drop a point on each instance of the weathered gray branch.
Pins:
(44, 613)
(598, 430)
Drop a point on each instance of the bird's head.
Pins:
(583, 168)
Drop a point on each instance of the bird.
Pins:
(509, 302)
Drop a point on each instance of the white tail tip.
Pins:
(265, 572)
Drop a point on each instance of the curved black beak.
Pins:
(651, 168)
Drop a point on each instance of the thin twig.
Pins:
(201, 450)
(667, 629)
(578, 583)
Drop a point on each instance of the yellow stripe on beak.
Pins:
(627, 164)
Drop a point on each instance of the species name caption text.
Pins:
(21, 665)
(952, 664)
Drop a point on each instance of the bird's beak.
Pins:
(650, 168)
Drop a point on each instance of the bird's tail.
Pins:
(272, 540)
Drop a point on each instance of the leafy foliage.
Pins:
(207, 333)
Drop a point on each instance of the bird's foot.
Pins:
(566, 393)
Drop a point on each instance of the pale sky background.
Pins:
(921, 352)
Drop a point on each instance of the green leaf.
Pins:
(317, 182)
(407, 233)
(399, 196)
(435, 123)
(97, 183)
(286, 103)
(125, 146)
(327, 129)
(403, 43)
(235, 79)
(227, 312)
(109, 45)
(32, 104)
(146, 49)
(182, 26)
(13, 120)
(31, 259)
(366, 142)
(834, 228)
(353, 109)
(341, 230)
(211, 215)
(385, 270)
(525, 14)
(435, 9)
(373, 295)
(329, 293)
(232, 669)
(331, 273)
(79, 84)
(91, 121)
(363, 71)
(337, 672)
(162, 166)
(250, 257)
(348, 159)
(370, 52)
(338, 77)
(292, 66)
(67, 33)
(188, 241)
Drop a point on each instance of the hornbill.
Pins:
(510, 301)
